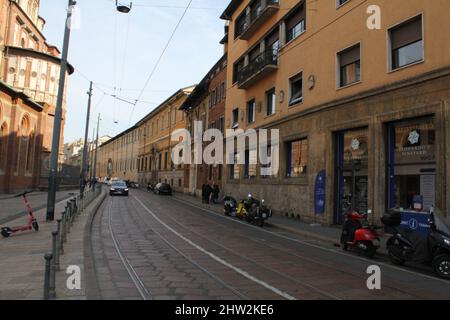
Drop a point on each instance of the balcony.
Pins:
(261, 66)
(255, 17)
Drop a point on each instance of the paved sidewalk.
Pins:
(13, 208)
(22, 261)
(327, 234)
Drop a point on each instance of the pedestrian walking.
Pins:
(208, 192)
(215, 193)
(204, 193)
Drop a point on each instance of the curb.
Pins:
(93, 291)
(293, 230)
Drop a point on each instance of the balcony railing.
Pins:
(255, 17)
(257, 68)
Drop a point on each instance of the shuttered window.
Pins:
(406, 43)
(295, 23)
(350, 66)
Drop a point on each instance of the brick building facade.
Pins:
(29, 75)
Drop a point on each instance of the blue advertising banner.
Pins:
(319, 193)
(416, 222)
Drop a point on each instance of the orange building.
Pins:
(155, 146)
(29, 76)
(369, 107)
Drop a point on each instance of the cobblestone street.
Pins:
(153, 247)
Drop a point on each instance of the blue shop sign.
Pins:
(416, 222)
(319, 193)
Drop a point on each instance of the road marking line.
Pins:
(218, 259)
(131, 272)
(316, 246)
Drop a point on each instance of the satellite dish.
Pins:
(123, 8)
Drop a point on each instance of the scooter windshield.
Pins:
(441, 225)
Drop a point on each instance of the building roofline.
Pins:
(202, 83)
(231, 8)
(136, 126)
(18, 94)
(161, 105)
(70, 68)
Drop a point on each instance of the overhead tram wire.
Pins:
(115, 66)
(159, 59)
(122, 71)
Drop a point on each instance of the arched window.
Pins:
(22, 140)
(25, 126)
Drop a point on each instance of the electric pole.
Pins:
(96, 149)
(52, 179)
(84, 165)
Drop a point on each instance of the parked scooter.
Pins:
(359, 235)
(433, 249)
(229, 206)
(32, 222)
(253, 211)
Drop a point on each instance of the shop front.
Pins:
(352, 172)
(411, 181)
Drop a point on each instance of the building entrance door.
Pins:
(352, 173)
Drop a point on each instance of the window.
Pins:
(250, 164)
(295, 89)
(271, 101)
(223, 91)
(349, 66)
(297, 158)
(235, 118)
(237, 68)
(268, 164)
(412, 167)
(273, 43)
(340, 2)
(406, 43)
(241, 25)
(251, 111)
(295, 23)
(234, 172)
(168, 119)
(166, 161)
(220, 172)
(162, 123)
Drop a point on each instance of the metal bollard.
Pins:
(68, 213)
(64, 226)
(48, 257)
(52, 282)
(74, 208)
(60, 243)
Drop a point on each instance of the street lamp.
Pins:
(58, 115)
(123, 8)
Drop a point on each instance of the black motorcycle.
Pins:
(433, 249)
(256, 211)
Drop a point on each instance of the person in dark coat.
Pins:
(204, 193)
(215, 193)
(208, 191)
